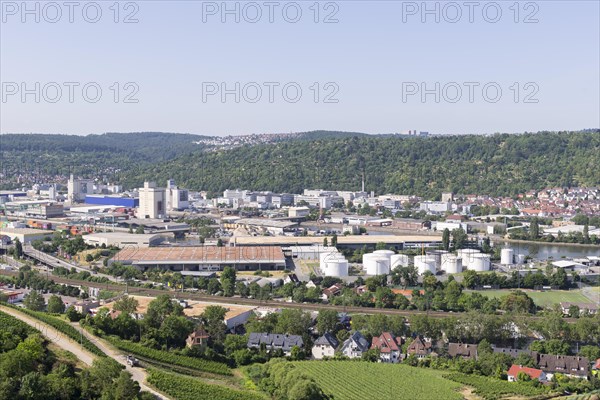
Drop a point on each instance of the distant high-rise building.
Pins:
(77, 189)
(447, 197)
(177, 199)
(152, 201)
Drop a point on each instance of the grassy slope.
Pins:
(544, 299)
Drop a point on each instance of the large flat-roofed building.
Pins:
(121, 239)
(198, 259)
(396, 242)
(25, 235)
(34, 208)
(108, 200)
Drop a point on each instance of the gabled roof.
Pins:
(358, 340)
(462, 350)
(532, 372)
(564, 364)
(327, 340)
(274, 340)
(419, 347)
(386, 343)
(597, 365)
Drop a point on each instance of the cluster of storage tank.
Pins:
(333, 264)
(475, 260)
(378, 262)
(381, 262)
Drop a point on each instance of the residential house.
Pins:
(596, 368)
(291, 278)
(273, 341)
(533, 373)
(332, 291)
(198, 338)
(355, 345)
(389, 347)
(572, 366)
(84, 307)
(466, 351)
(325, 346)
(420, 347)
(514, 352)
(589, 308)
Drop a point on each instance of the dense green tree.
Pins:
(126, 304)
(446, 239)
(228, 281)
(327, 321)
(213, 318)
(34, 301)
(56, 305)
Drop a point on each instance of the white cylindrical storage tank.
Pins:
(520, 259)
(326, 255)
(506, 256)
(424, 264)
(451, 264)
(479, 262)
(437, 255)
(337, 268)
(466, 255)
(376, 264)
(387, 253)
(398, 260)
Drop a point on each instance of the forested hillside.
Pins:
(103, 155)
(496, 165)
(501, 164)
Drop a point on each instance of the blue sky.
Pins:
(369, 61)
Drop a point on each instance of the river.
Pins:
(544, 251)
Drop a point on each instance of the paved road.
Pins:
(54, 262)
(66, 343)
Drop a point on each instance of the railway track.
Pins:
(134, 290)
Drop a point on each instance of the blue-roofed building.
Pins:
(107, 200)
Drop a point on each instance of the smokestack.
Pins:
(363, 182)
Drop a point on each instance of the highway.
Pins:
(132, 290)
(54, 262)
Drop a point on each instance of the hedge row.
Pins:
(170, 358)
(61, 326)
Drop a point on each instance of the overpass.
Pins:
(54, 262)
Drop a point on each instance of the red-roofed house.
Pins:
(596, 368)
(533, 373)
(389, 347)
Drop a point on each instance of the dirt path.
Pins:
(66, 343)
(54, 336)
(138, 374)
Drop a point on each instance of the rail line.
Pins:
(134, 290)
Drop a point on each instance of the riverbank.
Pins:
(534, 242)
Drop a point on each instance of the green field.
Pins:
(542, 299)
(350, 380)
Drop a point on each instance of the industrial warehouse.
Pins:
(199, 259)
